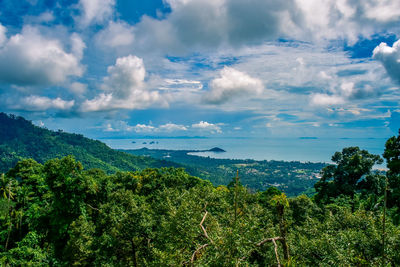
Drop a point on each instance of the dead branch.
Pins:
(93, 208)
(259, 244)
(276, 251)
(206, 235)
(273, 240)
(204, 229)
(197, 251)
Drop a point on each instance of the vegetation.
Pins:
(60, 214)
(293, 178)
(20, 139)
(57, 213)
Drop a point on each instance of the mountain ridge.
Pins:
(20, 138)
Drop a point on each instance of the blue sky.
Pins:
(224, 68)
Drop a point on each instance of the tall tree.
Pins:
(342, 178)
(392, 156)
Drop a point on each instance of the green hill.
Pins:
(20, 139)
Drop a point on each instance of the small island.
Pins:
(216, 149)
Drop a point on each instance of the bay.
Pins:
(287, 149)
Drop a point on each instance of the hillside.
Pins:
(291, 177)
(59, 214)
(19, 139)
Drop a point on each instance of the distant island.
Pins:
(215, 149)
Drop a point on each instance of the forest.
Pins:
(20, 139)
(291, 177)
(60, 212)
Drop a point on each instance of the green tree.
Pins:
(351, 165)
(392, 156)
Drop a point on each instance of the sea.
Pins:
(287, 149)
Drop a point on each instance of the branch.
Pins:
(204, 229)
(206, 235)
(197, 251)
(93, 208)
(276, 252)
(259, 244)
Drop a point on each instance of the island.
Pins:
(215, 149)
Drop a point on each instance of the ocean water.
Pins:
(288, 149)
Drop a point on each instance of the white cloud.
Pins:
(232, 83)
(45, 17)
(124, 88)
(224, 23)
(95, 11)
(126, 76)
(32, 59)
(326, 100)
(41, 103)
(115, 35)
(143, 128)
(118, 126)
(3, 36)
(382, 11)
(349, 19)
(109, 128)
(78, 88)
(390, 59)
(181, 84)
(206, 126)
(220, 22)
(77, 46)
(171, 127)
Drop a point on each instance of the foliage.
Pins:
(344, 178)
(60, 214)
(20, 139)
(293, 177)
(57, 213)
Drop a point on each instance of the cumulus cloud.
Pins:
(171, 127)
(347, 91)
(221, 22)
(29, 58)
(236, 22)
(390, 59)
(382, 11)
(118, 126)
(116, 34)
(41, 103)
(232, 83)
(95, 11)
(143, 128)
(206, 126)
(124, 88)
(349, 19)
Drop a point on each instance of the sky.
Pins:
(216, 68)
